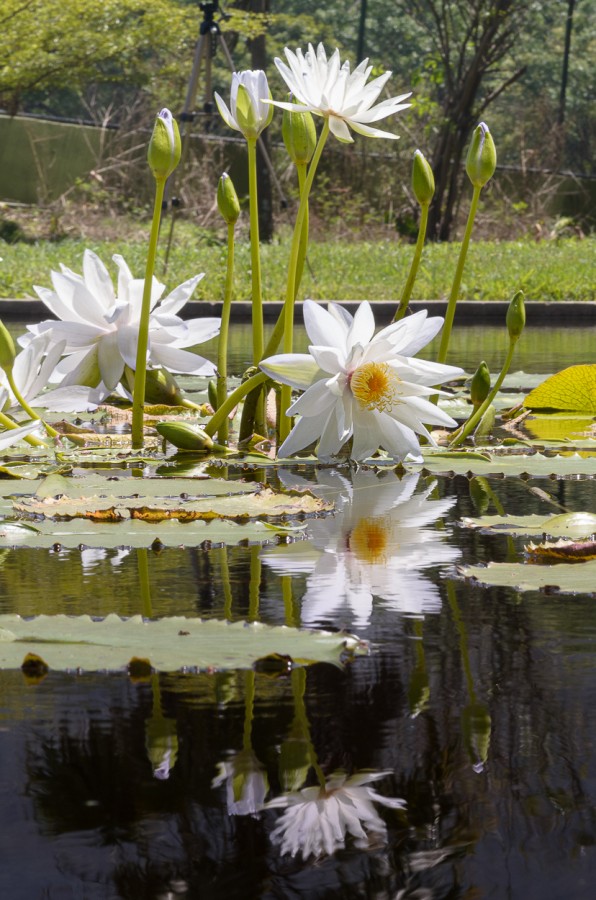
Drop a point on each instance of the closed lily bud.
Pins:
(516, 316)
(163, 154)
(423, 180)
(300, 136)
(7, 348)
(227, 200)
(482, 156)
(248, 116)
(480, 386)
(185, 436)
(161, 388)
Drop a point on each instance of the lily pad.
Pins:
(72, 534)
(263, 504)
(512, 464)
(169, 644)
(567, 578)
(573, 389)
(572, 526)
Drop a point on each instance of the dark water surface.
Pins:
(475, 706)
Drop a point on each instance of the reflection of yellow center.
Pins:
(368, 540)
(374, 384)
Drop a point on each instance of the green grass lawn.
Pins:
(550, 270)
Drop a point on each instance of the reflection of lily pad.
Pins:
(567, 578)
(79, 642)
(558, 426)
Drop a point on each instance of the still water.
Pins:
(474, 712)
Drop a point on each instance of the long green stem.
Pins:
(254, 584)
(222, 351)
(258, 341)
(138, 398)
(288, 310)
(22, 402)
(298, 678)
(233, 400)
(407, 291)
(302, 173)
(474, 419)
(453, 296)
(249, 703)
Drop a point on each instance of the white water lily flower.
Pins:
(249, 113)
(362, 386)
(100, 328)
(327, 88)
(375, 546)
(318, 820)
(32, 370)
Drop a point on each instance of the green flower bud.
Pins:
(185, 436)
(300, 136)
(212, 394)
(423, 180)
(161, 388)
(480, 386)
(516, 316)
(7, 348)
(163, 154)
(227, 200)
(482, 156)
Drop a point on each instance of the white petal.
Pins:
(225, 113)
(322, 327)
(299, 370)
(340, 130)
(363, 325)
(177, 360)
(306, 430)
(110, 361)
(179, 296)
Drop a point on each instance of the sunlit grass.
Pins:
(550, 270)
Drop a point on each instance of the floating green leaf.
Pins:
(572, 526)
(573, 389)
(568, 578)
(169, 644)
(513, 464)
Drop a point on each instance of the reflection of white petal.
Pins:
(376, 545)
(317, 820)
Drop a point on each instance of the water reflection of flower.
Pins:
(246, 783)
(243, 774)
(317, 820)
(375, 545)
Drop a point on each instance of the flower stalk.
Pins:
(516, 318)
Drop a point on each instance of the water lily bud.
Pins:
(162, 388)
(212, 394)
(516, 316)
(227, 200)
(423, 180)
(163, 154)
(482, 156)
(185, 436)
(300, 136)
(250, 122)
(7, 348)
(480, 386)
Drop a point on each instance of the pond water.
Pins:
(475, 706)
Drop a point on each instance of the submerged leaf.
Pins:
(573, 389)
(80, 642)
(570, 551)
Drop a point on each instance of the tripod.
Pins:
(209, 37)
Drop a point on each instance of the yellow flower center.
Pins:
(368, 541)
(375, 386)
